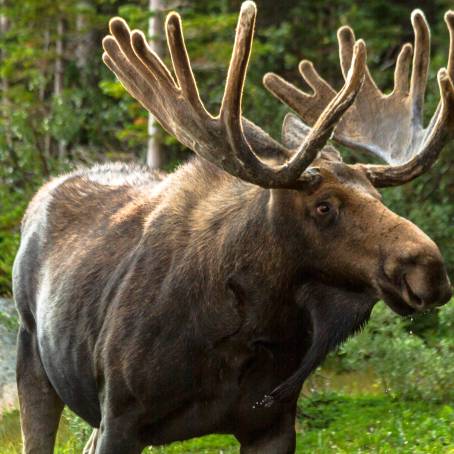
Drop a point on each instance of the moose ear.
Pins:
(294, 131)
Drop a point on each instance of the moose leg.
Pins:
(116, 437)
(40, 406)
(279, 440)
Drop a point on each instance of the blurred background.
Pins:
(390, 389)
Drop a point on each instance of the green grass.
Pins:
(375, 424)
(327, 423)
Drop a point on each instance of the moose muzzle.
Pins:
(417, 272)
(425, 282)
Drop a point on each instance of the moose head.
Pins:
(333, 211)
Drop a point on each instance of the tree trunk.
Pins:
(5, 83)
(47, 140)
(154, 151)
(5, 102)
(86, 38)
(59, 74)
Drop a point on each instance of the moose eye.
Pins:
(323, 208)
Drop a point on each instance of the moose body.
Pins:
(134, 306)
(162, 308)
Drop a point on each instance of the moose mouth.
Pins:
(397, 304)
(401, 298)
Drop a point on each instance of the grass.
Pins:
(327, 423)
(375, 424)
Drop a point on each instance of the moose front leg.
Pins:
(280, 439)
(116, 435)
(116, 441)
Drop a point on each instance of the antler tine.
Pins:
(180, 60)
(150, 67)
(230, 112)
(113, 49)
(116, 61)
(221, 140)
(401, 73)
(313, 79)
(136, 79)
(306, 105)
(230, 116)
(231, 101)
(421, 59)
(346, 39)
(449, 19)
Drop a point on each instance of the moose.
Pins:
(163, 307)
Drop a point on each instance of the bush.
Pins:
(14, 205)
(408, 365)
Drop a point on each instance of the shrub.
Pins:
(14, 206)
(408, 365)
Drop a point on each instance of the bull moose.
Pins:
(163, 307)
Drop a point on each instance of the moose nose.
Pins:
(424, 281)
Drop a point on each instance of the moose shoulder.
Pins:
(160, 308)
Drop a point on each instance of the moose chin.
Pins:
(163, 307)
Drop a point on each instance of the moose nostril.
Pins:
(411, 296)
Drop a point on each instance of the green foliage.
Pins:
(14, 205)
(10, 433)
(67, 116)
(9, 321)
(409, 366)
(210, 444)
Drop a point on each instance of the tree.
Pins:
(154, 149)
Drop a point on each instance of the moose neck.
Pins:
(232, 228)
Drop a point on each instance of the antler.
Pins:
(389, 126)
(177, 106)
